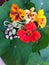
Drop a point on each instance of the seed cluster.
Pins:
(10, 32)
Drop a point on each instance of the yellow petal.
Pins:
(41, 12)
(21, 13)
(42, 21)
(41, 18)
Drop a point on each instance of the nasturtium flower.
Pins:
(41, 18)
(29, 34)
(30, 15)
(16, 13)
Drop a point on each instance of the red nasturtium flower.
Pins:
(29, 34)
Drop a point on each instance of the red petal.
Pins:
(34, 39)
(23, 36)
(21, 33)
(30, 26)
(25, 39)
(35, 36)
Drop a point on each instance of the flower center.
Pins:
(28, 32)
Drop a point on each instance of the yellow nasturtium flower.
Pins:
(41, 18)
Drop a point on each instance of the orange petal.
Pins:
(11, 15)
(13, 18)
(14, 7)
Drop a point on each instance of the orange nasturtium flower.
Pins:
(41, 18)
(16, 13)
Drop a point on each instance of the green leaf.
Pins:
(12, 56)
(1, 34)
(28, 5)
(4, 45)
(42, 43)
(5, 8)
(2, 27)
(18, 53)
(35, 59)
(47, 16)
(45, 53)
(25, 49)
(46, 30)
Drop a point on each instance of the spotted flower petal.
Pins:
(41, 19)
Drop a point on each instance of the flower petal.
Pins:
(25, 39)
(23, 36)
(30, 26)
(35, 36)
(21, 33)
(41, 18)
(14, 7)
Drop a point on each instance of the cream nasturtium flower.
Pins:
(41, 18)
(30, 15)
